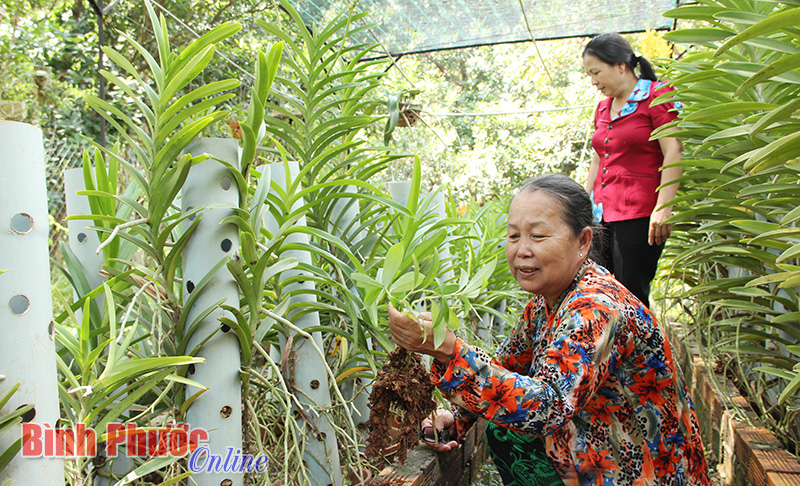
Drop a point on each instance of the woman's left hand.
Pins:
(417, 336)
(659, 231)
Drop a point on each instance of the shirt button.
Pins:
(607, 140)
(610, 127)
(605, 170)
(603, 184)
(607, 156)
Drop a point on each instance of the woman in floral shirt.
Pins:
(587, 368)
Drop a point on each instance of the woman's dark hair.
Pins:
(576, 207)
(613, 48)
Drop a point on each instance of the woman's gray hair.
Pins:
(576, 206)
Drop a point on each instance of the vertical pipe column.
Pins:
(345, 224)
(437, 207)
(83, 242)
(219, 409)
(484, 331)
(500, 324)
(311, 384)
(27, 350)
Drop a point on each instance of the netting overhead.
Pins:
(410, 26)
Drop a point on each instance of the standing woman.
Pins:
(627, 167)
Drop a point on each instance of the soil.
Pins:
(401, 398)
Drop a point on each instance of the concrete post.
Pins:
(310, 379)
(218, 410)
(27, 349)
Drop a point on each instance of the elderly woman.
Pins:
(587, 369)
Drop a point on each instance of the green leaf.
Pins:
(793, 252)
(196, 48)
(727, 110)
(131, 370)
(775, 22)
(698, 36)
(392, 262)
(406, 283)
(8, 455)
(775, 116)
(151, 465)
(392, 108)
(189, 72)
(774, 69)
(791, 388)
(694, 12)
(776, 153)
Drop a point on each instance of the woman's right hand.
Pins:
(443, 420)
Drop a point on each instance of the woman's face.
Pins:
(607, 78)
(543, 253)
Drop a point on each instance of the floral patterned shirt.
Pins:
(596, 377)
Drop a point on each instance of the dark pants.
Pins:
(520, 459)
(627, 255)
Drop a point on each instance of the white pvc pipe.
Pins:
(27, 349)
(218, 410)
(437, 206)
(310, 378)
(83, 242)
(345, 224)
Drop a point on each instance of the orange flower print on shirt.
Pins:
(666, 460)
(601, 408)
(597, 462)
(502, 394)
(567, 362)
(647, 387)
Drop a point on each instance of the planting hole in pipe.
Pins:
(191, 216)
(226, 482)
(22, 223)
(322, 436)
(29, 415)
(226, 411)
(226, 245)
(19, 304)
(225, 328)
(191, 369)
(82, 237)
(226, 183)
(51, 330)
(314, 384)
(189, 286)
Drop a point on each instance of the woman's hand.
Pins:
(659, 231)
(442, 420)
(417, 336)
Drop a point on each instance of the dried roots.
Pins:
(402, 396)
